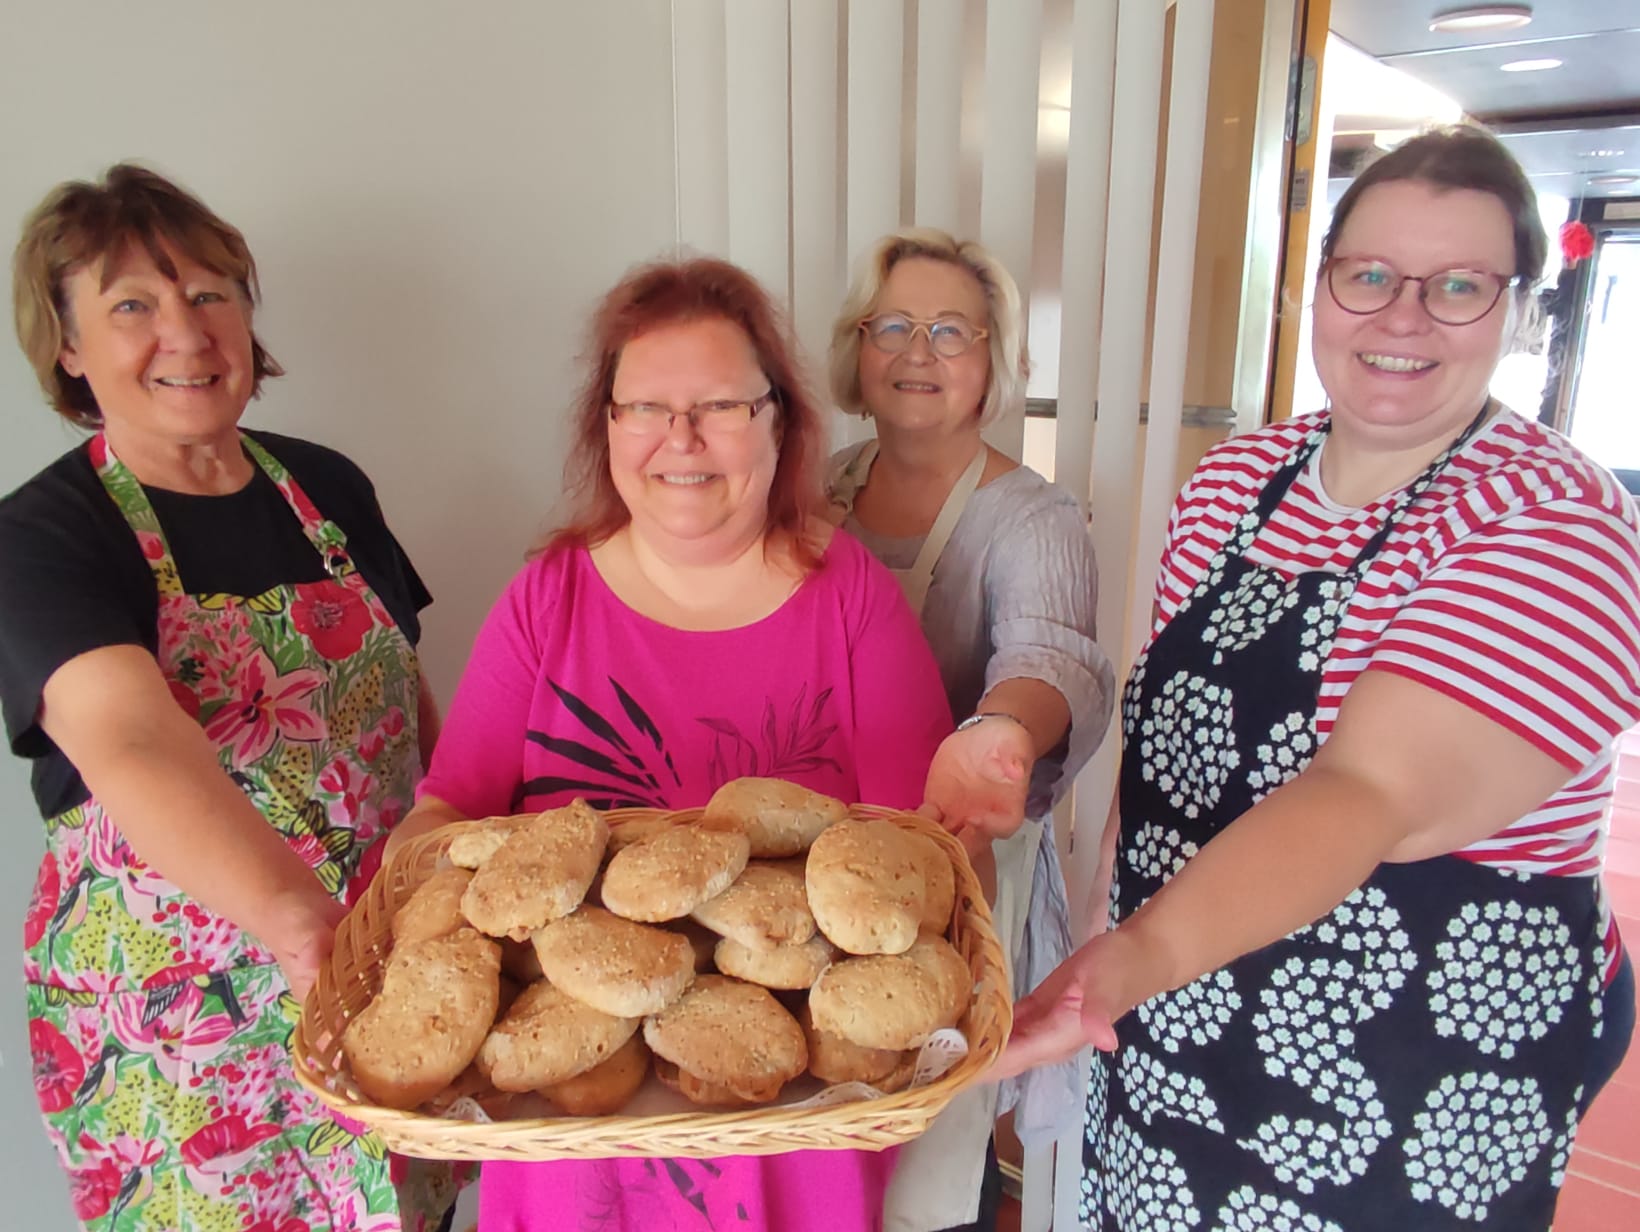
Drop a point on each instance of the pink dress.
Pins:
(571, 693)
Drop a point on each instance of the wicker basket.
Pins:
(353, 974)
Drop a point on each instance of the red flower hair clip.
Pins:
(1576, 242)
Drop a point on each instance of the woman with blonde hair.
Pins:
(998, 565)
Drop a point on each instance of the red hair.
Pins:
(676, 293)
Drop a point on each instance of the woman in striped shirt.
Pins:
(1363, 974)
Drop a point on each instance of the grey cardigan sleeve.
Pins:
(1042, 598)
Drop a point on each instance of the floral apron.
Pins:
(1411, 1060)
(159, 1031)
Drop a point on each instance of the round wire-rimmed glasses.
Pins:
(948, 336)
(1362, 286)
(726, 418)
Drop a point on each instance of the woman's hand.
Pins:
(978, 778)
(1077, 1005)
(429, 813)
(300, 931)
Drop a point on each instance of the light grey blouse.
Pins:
(1015, 595)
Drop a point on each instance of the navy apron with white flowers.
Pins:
(1411, 1060)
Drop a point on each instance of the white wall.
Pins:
(435, 195)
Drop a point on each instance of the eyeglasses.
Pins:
(949, 336)
(712, 420)
(1363, 286)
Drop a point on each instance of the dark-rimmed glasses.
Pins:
(948, 336)
(711, 420)
(1363, 286)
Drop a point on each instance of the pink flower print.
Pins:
(43, 905)
(58, 1069)
(290, 1223)
(141, 887)
(217, 641)
(331, 616)
(379, 737)
(348, 788)
(225, 1145)
(264, 705)
(93, 1190)
(153, 547)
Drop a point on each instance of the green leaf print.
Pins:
(288, 653)
(373, 1147)
(327, 1136)
(73, 819)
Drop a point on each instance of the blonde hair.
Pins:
(1009, 363)
(80, 223)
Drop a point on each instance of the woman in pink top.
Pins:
(692, 623)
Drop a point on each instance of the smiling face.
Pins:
(1398, 375)
(686, 493)
(917, 389)
(169, 361)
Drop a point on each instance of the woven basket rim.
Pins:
(364, 937)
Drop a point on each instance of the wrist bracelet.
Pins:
(974, 719)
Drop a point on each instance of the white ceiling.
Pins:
(1556, 122)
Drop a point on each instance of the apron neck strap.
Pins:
(916, 580)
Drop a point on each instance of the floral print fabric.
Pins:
(160, 1031)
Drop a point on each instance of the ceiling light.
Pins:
(1529, 66)
(1613, 181)
(1600, 154)
(1481, 17)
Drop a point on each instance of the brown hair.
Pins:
(676, 293)
(81, 223)
(1458, 156)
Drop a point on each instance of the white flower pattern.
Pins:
(1475, 1138)
(1506, 974)
(1186, 745)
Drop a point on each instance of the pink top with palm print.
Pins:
(570, 693)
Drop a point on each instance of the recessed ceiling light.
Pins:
(1481, 17)
(1612, 181)
(1530, 66)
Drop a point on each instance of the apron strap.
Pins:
(916, 580)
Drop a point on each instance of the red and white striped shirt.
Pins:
(1511, 585)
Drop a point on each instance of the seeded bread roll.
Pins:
(548, 1036)
(696, 1089)
(893, 1000)
(541, 873)
(780, 818)
(477, 843)
(667, 875)
(615, 965)
(434, 910)
(519, 962)
(702, 940)
(939, 882)
(785, 966)
(730, 1034)
(835, 1059)
(437, 1002)
(767, 906)
(607, 1086)
(865, 886)
(629, 832)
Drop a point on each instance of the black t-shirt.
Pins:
(73, 579)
